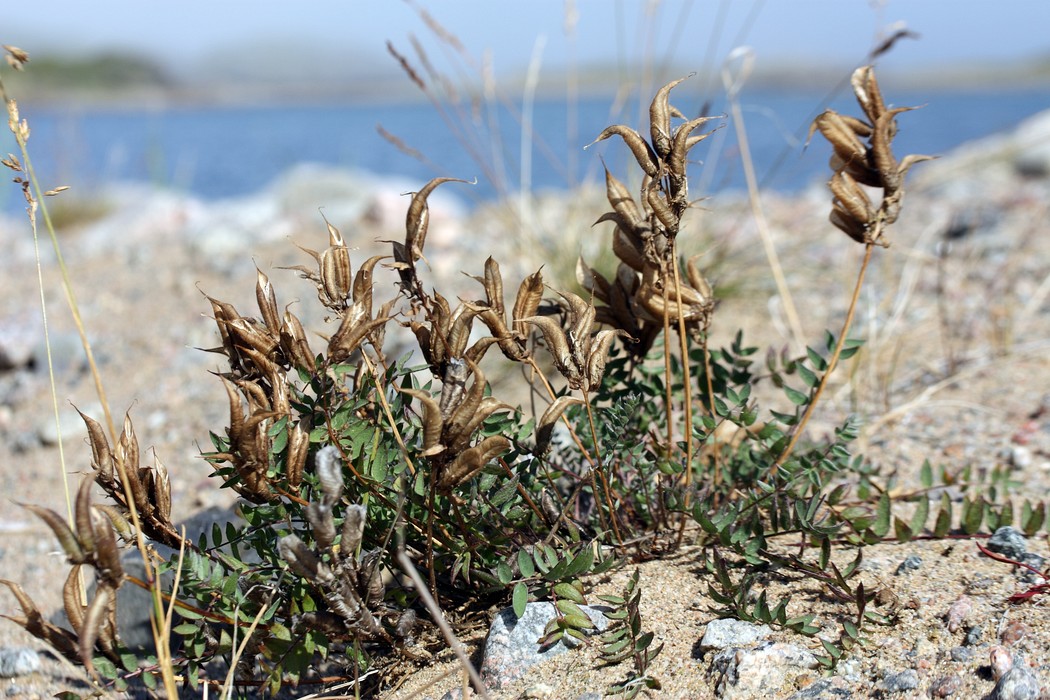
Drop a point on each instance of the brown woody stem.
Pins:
(832, 362)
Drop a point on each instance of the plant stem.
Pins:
(832, 362)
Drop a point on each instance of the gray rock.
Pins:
(961, 654)
(18, 661)
(134, 603)
(18, 336)
(766, 670)
(1008, 541)
(834, 688)
(900, 681)
(1032, 141)
(511, 646)
(911, 563)
(1019, 683)
(724, 633)
(67, 355)
(973, 636)
(1036, 562)
(1020, 457)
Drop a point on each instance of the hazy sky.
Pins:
(693, 31)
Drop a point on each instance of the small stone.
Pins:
(1036, 562)
(1019, 683)
(911, 563)
(901, 681)
(1013, 632)
(511, 646)
(973, 636)
(540, 691)
(945, 686)
(958, 612)
(1020, 457)
(766, 670)
(726, 632)
(18, 661)
(589, 696)
(1008, 541)
(834, 688)
(961, 655)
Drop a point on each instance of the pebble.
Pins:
(834, 688)
(1008, 541)
(900, 681)
(958, 612)
(946, 686)
(911, 563)
(973, 635)
(961, 654)
(511, 646)
(17, 337)
(726, 632)
(1036, 562)
(765, 670)
(1020, 457)
(1019, 683)
(1013, 632)
(18, 661)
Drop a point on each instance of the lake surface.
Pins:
(217, 152)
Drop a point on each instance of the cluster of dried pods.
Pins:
(863, 156)
(648, 290)
(92, 541)
(349, 581)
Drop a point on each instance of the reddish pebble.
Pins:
(1013, 632)
(958, 613)
(945, 686)
(1001, 661)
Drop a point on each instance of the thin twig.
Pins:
(442, 623)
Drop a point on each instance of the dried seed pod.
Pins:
(432, 423)
(329, 466)
(622, 203)
(93, 624)
(266, 298)
(643, 152)
(106, 559)
(70, 543)
(866, 88)
(599, 354)
(34, 622)
(473, 460)
(72, 594)
(160, 490)
(294, 344)
(301, 560)
(353, 530)
(854, 201)
(550, 417)
(657, 202)
(557, 343)
(857, 230)
(527, 301)
(322, 525)
(842, 133)
(683, 142)
(298, 450)
(660, 120)
(417, 221)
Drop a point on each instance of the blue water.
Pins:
(217, 152)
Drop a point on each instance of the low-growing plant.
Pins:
(357, 468)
